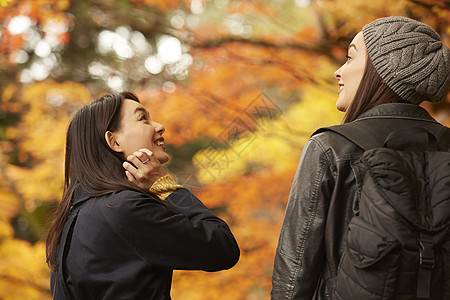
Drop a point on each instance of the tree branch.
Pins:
(220, 42)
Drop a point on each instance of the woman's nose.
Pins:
(159, 128)
(337, 74)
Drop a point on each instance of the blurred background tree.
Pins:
(239, 86)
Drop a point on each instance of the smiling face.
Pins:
(138, 131)
(351, 73)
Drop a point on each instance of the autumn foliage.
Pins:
(247, 85)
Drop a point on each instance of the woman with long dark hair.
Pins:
(392, 65)
(123, 225)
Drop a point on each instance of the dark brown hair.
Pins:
(89, 162)
(372, 91)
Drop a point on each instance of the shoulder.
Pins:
(131, 213)
(131, 194)
(328, 138)
(128, 204)
(333, 143)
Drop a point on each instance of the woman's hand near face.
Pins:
(143, 168)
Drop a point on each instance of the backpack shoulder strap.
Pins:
(365, 137)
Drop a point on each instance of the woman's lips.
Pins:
(160, 142)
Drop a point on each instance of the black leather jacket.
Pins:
(322, 200)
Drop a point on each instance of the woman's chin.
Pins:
(164, 159)
(340, 107)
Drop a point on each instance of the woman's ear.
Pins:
(112, 142)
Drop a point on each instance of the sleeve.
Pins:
(164, 186)
(300, 255)
(184, 235)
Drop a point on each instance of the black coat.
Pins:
(127, 244)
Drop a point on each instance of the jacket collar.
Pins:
(397, 110)
(79, 196)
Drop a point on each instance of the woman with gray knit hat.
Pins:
(392, 65)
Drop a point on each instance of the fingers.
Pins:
(130, 177)
(148, 153)
(130, 171)
(143, 168)
(139, 160)
(140, 157)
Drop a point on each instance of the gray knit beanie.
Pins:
(410, 57)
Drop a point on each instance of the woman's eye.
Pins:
(142, 117)
(348, 57)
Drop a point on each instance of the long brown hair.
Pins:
(89, 162)
(372, 91)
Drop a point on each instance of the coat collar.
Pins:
(397, 110)
(79, 196)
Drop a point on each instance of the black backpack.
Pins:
(398, 241)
